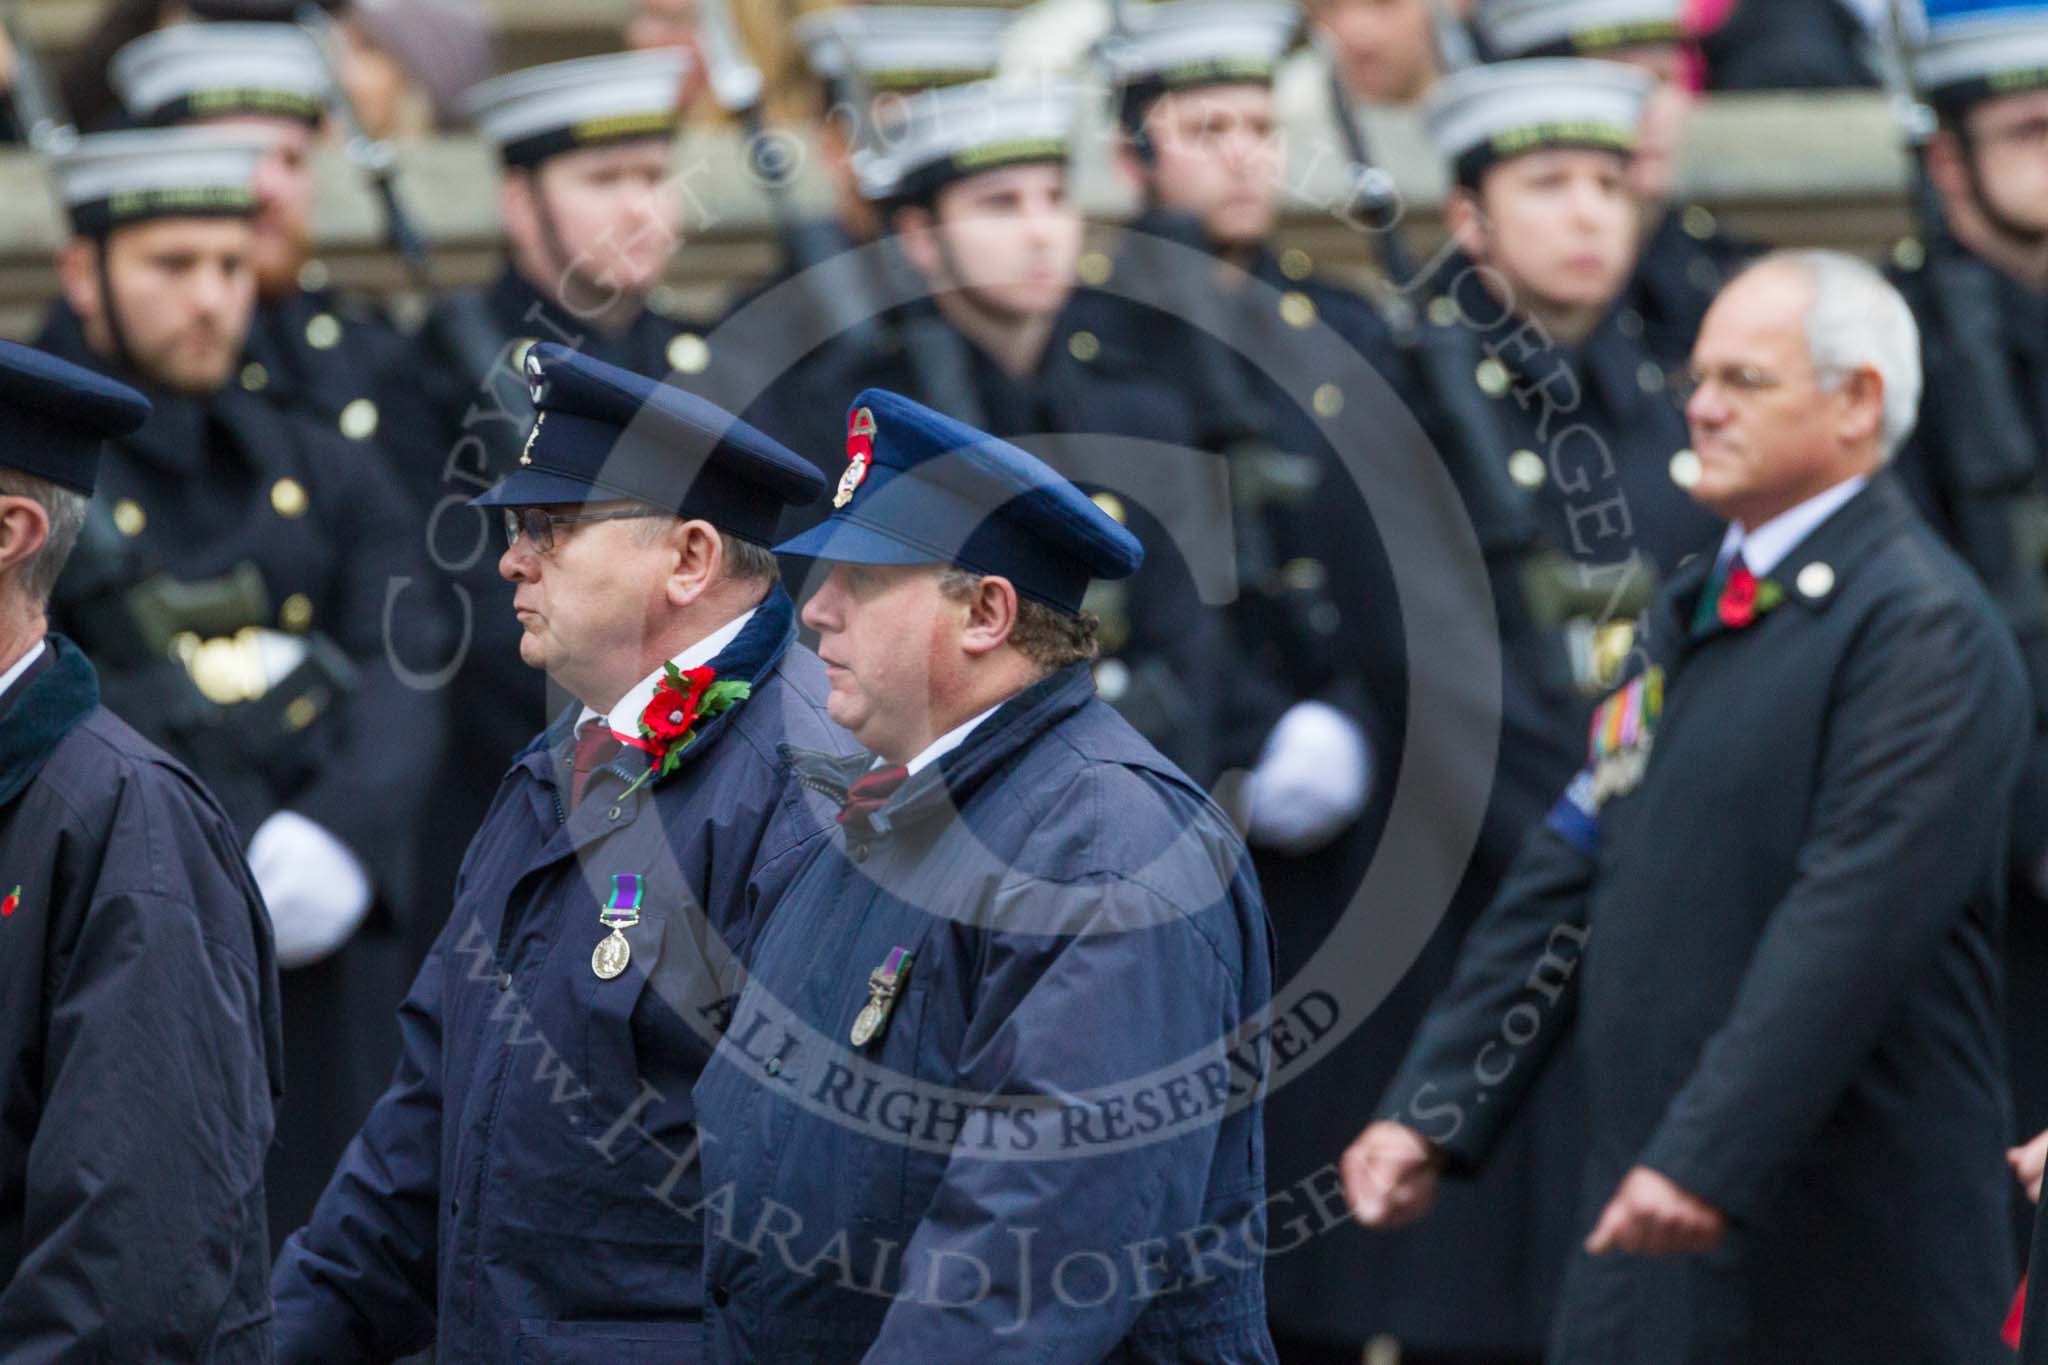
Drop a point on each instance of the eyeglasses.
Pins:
(538, 524)
(1743, 381)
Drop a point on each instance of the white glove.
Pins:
(1312, 779)
(318, 892)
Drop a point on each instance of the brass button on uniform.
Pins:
(1084, 347)
(296, 615)
(1699, 222)
(1908, 255)
(1492, 377)
(1297, 310)
(1650, 377)
(255, 379)
(1095, 269)
(288, 497)
(1112, 507)
(323, 332)
(1295, 264)
(302, 712)
(689, 353)
(1527, 469)
(1443, 311)
(1328, 400)
(314, 276)
(1685, 469)
(521, 350)
(129, 518)
(359, 420)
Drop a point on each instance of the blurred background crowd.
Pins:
(282, 585)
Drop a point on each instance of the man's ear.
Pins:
(79, 277)
(24, 529)
(699, 562)
(1465, 220)
(991, 616)
(1948, 167)
(517, 209)
(917, 238)
(1863, 413)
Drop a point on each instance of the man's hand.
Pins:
(2027, 1163)
(1390, 1175)
(1651, 1216)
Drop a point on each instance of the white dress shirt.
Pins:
(946, 743)
(21, 666)
(1765, 548)
(624, 719)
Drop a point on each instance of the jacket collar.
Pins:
(950, 782)
(55, 700)
(1820, 566)
(752, 655)
(174, 437)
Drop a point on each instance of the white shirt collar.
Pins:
(625, 717)
(21, 666)
(948, 742)
(1765, 548)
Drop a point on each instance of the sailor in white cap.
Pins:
(1978, 284)
(311, 351)
(294, 713)
(589, 206)
(1687, 256)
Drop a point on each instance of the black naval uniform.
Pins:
(1685, 260)
(1773, 937)
(1987, 516)
(313, 353)
(209, 485)
(450, 432)
(140, 1039)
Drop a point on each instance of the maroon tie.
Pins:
(596, 746)
(871, 793)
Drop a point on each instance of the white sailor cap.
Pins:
(543, 111)
(904, 48)
(1486, 114)
(198, 71)
(963, 130)
(111, 180)
(1190, 43)
(1577, 28)
(1972, 52)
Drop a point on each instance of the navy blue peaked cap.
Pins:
(921, 488)
(55, 415)
(603, 434)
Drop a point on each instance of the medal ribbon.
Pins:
(892, 969)
(623, 911)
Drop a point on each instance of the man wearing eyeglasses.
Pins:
(1770, 905)
(528, 1187)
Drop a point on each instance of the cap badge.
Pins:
(860, 452)
(526, 455)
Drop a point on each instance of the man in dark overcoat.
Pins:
(138, 990)
(522, 1189)
(1768, 911)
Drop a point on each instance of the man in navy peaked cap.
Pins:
(523, 1189)
(140, 1028)
(984, 1082)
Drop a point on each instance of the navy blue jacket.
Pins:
(1051, 1149)
(139, 1054)
(514, 1194)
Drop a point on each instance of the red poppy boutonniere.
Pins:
(1746, 597)
(669, 722)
